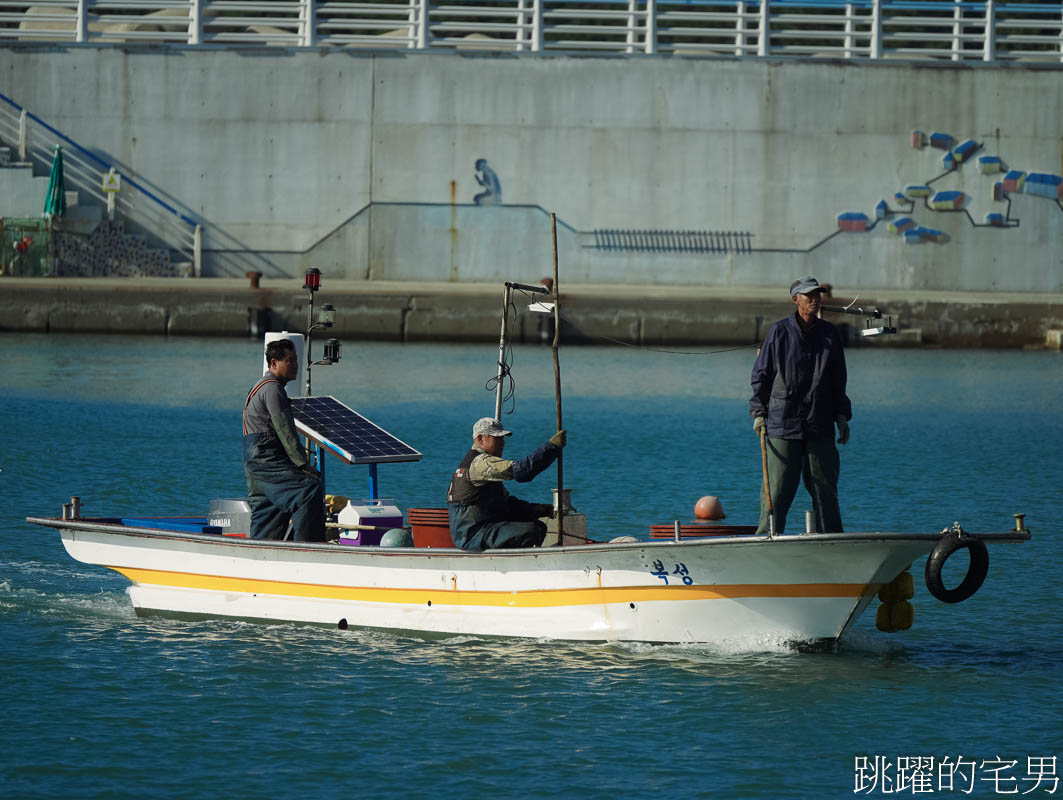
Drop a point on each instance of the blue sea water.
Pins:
(99, 703)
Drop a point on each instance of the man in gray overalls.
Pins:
(281, 483)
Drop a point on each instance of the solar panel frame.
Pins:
(346, 434)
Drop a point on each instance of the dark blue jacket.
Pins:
(799, 380)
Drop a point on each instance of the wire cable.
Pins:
(505, 372)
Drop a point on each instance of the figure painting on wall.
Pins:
(486, 177)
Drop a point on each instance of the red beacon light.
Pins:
(313, 279)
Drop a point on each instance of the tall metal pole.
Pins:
(320, 460)
(501, 355)
(557, 390)
(309, 327)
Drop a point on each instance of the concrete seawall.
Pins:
(676, 171)
(407, 312)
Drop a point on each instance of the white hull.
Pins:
(791, 588)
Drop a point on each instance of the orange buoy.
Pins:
(709, 507)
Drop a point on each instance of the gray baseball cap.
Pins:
(805, 285)
(489, 426)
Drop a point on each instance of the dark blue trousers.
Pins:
(814, 462)
(470, 531)
(279, 492)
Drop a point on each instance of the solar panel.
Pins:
(348, 434)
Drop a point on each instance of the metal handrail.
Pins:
(85, 171)
(960, 30)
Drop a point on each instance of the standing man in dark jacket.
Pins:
(483, 515)
(281, 483)
(798, 397)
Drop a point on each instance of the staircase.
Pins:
(87, 241)
(111, 252)
(84, 244)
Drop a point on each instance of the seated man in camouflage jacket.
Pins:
(483, 515)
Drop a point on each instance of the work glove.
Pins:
(758, 425)
(843, 430)
(558, 439)
(544, 510)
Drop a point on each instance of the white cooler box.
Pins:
(377, 519)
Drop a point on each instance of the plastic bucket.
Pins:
(430, 527)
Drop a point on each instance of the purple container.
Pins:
(372, 537)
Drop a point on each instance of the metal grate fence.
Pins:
(671, 241)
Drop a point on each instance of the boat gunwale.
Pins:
(90, 526)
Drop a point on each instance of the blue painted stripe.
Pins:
(179, 524)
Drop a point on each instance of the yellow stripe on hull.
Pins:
(532, 598)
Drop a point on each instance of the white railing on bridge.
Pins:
(84, 171)
(955, 30)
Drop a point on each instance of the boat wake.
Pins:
(57, 572)
(100, 606)
(741, 645)
(853, 641)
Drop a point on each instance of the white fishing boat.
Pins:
(703, 583)
(806, 589)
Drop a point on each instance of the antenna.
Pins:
(874, 324)
(327, 316)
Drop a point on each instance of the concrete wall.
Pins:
(470, 311)
(23, 193)
(357, 160)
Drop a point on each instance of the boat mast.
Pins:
(503, 370)
(503, 339)
(561, 504)
(312, 282)
(506, 294)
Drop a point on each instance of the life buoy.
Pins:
(976, 572)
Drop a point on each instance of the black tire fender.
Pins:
(976, 572)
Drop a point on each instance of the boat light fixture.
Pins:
(313, 279)
(332, 351)
(327, 315)
(871, 327)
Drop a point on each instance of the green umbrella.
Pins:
(55, 200)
